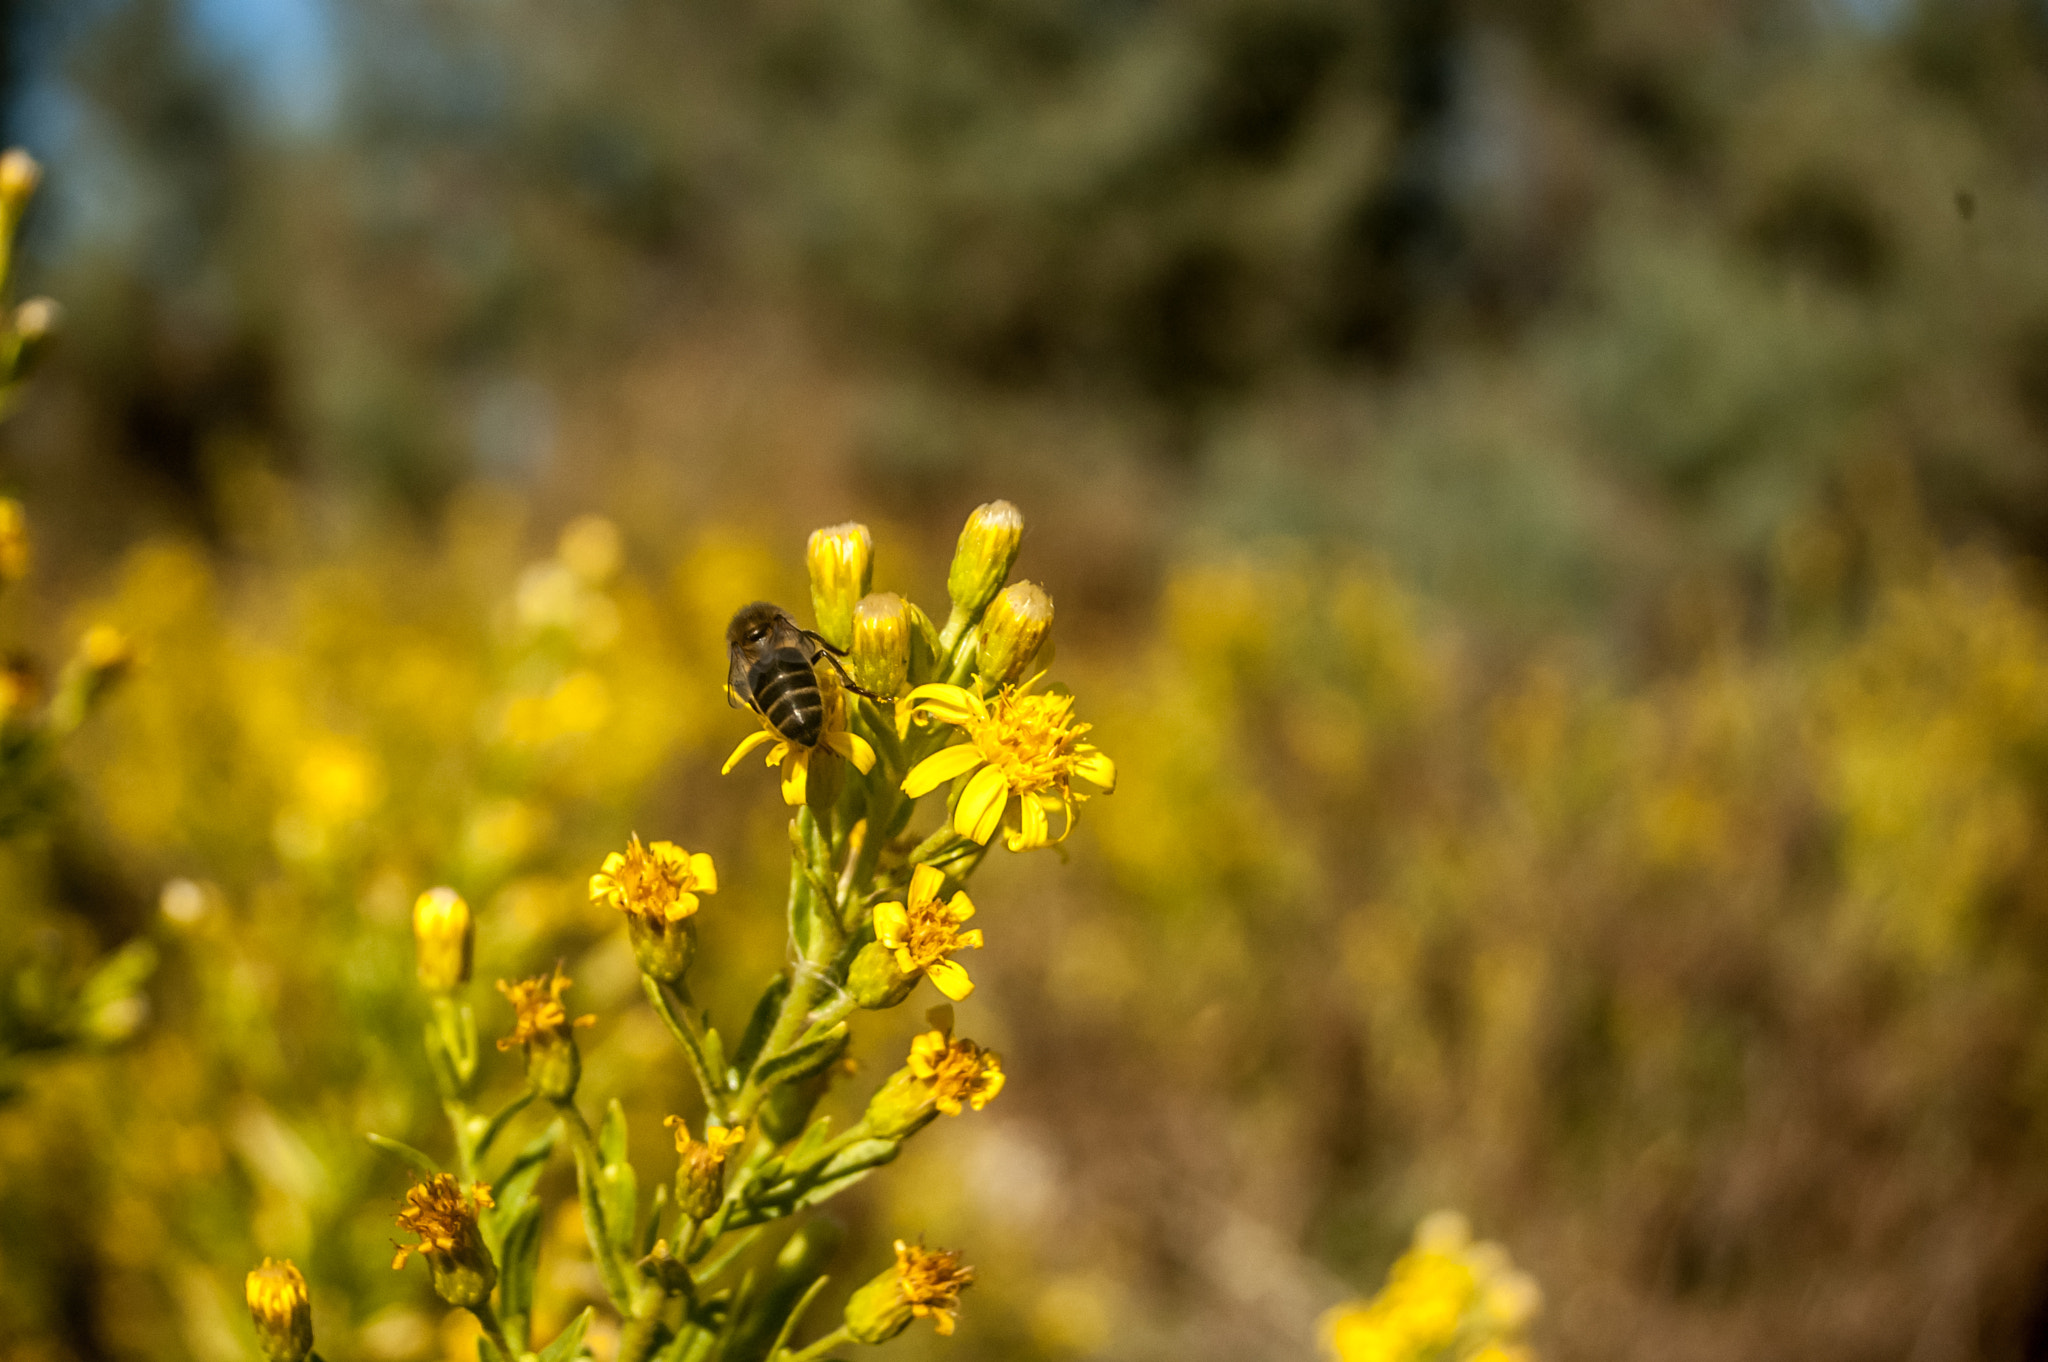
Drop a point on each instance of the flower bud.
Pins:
(14, 545)
(1012, 632)
(450, 1240)
(281, 1311)
(444, 937)
(661, 948)
(700, 1173)
(19, 176)
(881, 643)
(35, 322)
(902, 1106)
(981, 562)
(920, 1285)
(876, 981)
(841, 560)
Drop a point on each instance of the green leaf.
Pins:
(518, 1260)
(825, 1191)
(796, 1315)
(569, 1342)
(761, 1023)
(815, 1136)
(514, 1189)
(803, 1060)
(619, 1189)
(406, 1152)
(498, 1123)
(659, 1204)
(611, 1136)
(860, 1154)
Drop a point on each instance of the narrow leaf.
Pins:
(611, 1135)
(761, 1023)
(518, 1260)
(620, 1190)
(570, 1341)
(406, 1152)
(802, 1061)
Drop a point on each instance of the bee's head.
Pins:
(754, 623)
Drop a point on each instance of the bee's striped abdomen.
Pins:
(786, 692)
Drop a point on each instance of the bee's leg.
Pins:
(825, 643)
(852, 684)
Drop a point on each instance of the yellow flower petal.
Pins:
(980, 810)
(948, 704)
(960, 908)
(1032, 831)
(684, 905)
(796, 772)
(925, 882)
(941, 766)
(1095, 768)
(704, 872)
(854, 748)
(969, 940)
(950, 977)
(747, 744)
(892, 924)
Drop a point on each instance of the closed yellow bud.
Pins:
(19, 176)
(445, 937)
(1012, 632)
(281, 1311)
(881, 643)
(982, 560)
(841, 559)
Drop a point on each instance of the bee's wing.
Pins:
(738, 693)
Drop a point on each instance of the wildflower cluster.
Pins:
(1447, 1299)
(864, 717)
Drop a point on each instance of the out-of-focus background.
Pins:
(1545, 501)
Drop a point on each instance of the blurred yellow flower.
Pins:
(1017, 744)
(1446, 1300)
(657, 882)
(538, 1011)
(923, 932)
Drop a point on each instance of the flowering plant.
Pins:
(875, 906)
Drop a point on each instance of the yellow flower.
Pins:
(957, 1070)
(794, 759)
(539, 1016)
(922, 1285)
(446, 1222)
(1017, 744)
(443, 1217)
(923, 932)
(281, 1311)
(659, 882)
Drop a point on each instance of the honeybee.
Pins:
(774, 671)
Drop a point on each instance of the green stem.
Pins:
(636, 1340)
(683, 1026)
(588, 1168)
(488, 1317)
(821, 1347)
